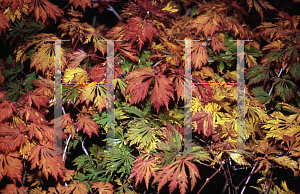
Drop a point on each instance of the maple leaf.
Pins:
(13, 137)
(97, 37)
(40, 132)
(78, 188)
(143, 169)
(103, 187)
(175, 172)
(12, 189)
(217, 43)
(258, 5)
(258, 73)
(75, 58)
(81, 3)
(37, 99)
(75, 75)
(11, 166)
(203, 92)
(204, 122)
(59, 189)
(95, 93)
(3, 23)
(285, 88)
(199, 55)
(40, 155)
(127, 50)
(206, 24)
(45, 86)
(139, 30)
(98, 72)
(7, 108)
(43, 9)
(88, 125)
(139, 82)
(178, 79)
(33, 115)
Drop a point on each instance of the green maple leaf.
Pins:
(285, 88)
(258, 74)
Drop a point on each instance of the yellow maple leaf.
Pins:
(75, 75)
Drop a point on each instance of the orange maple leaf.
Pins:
(199, 55)
(13, 138)
(40, 132)
(7, 108)
(103, 187)
(175, 172)
(143, 169)
(12, 189)
(59, 189)
(75, 58)
(11, 166)
(32, 115)
(77, 188)
(81, 3)
(88, 125)
(139, 82)
(40, 155)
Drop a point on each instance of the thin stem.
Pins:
(270, 181)
(66, 147)
(248, 178)
(83, 148)
(75, 44)
(208, 179)
(110, 8)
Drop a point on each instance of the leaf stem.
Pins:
(270, 181)
(248, 178)
(278, 76)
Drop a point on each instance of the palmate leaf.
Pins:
(285, 88)
(199, 55)
(94, 93)
(204, 122)
(11, 166)
(139, 82)
(44, 9)
(139, 30)
(259, 5)
(40, 155)
(176, 173)
(258, 74)
(143, 169)
(294, 71)
(81, 3)
(141, 133)
(261, 95)
(3, 23)
(88, 125)
(103, 187)
(78, 188)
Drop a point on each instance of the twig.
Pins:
(66, 147)
(269, 185)
(248, 178)
(83, 148)
(110, 8)
(208, 179)
(220, 163)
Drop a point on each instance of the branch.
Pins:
(83, 148)
(208, 179)
(248, 178)
(110, 8)
(270, 181)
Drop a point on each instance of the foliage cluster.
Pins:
(149, 82)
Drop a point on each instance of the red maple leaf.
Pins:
(139, 82)
(37, 99)
(3, 23)
(139, 30)
(13, 138)
(202, 91)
